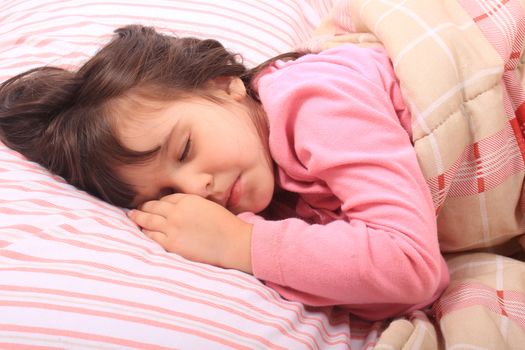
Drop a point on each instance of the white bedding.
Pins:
(75, 273)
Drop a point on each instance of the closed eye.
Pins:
(186, 150)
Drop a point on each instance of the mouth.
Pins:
(234, 195)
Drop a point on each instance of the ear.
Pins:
(232, 86)
(237, 90)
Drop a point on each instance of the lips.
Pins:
(235, 194)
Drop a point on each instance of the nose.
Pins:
(197, 183)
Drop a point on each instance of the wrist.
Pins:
(238, 254)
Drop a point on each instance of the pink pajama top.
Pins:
(362, 232)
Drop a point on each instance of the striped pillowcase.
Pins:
(65, 33)
(75, 273)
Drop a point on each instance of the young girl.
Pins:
(180, 130)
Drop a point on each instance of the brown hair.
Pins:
(62, 119)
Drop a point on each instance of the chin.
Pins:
(256, 205)
(263, 201)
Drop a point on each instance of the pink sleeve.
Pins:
(384, 258)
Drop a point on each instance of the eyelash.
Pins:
(186, 150)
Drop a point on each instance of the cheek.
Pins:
(238, 149)
(263, 194)
(142, 179)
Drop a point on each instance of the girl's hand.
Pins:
(197, 229)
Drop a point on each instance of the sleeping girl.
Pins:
(298, 171)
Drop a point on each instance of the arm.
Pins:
(346, 136)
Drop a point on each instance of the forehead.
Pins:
(142, 124)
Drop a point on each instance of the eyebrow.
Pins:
(165, 144)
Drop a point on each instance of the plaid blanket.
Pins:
(460, 67)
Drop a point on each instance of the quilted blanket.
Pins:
(460, 67)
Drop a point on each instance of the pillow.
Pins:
(65, 33)
(75, 272)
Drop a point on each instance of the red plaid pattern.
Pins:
(461, 71)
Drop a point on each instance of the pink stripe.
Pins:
(274, 11)
(257, 22)
(158, 324)
(61, 189)
(517, 124)
(255, 47)
(13, 346)
(21, 66)
(297, 310)
(79, 335)
(296, 27)
(20, 160)
(47, 205)
(461, 178)
(139, 18)
(153, 287)
(135, 319)
(106, 237)
(474, 294)
(491, 12)
(71, 216)
(57, 191)
(207, 273)
(479, 165)
(204, 271)
(25, 228)
(6, 4)
(57, 37)
(96, 214)
(64, 214)
(42, 58)
(501, 297)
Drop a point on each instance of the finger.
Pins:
(162, 208)
(157, 236)
(173, 198)
(147, 221)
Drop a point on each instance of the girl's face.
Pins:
(208, 148)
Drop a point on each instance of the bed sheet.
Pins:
(75, 272)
